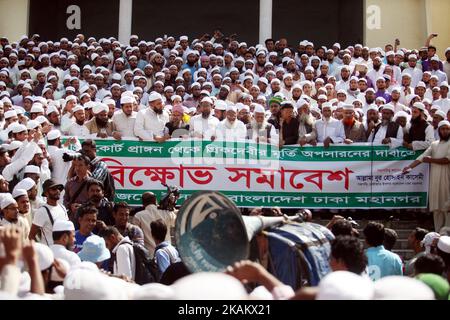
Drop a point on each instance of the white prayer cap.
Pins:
(337, 45)
(345, 285)
(388, 107)
(32, 124)
(100, 107)
(19, 193)
(209, 286)
(347, 106)
(71, 97)
(390, 53)
(14, 145)
(18, 128)
(406, 74)
(207, 99)
(45, 256)
(428, 240)
(77, 108)
(6, 200)
(154, 96)
(63, 225)
(419, 105)
(322, 97)
(53, 134)
(126, 99)
(220, 105)
(231, 107)
(342, 91)
(50, 109)
(259, 108)
(441, 114)
(241, 106)
(37, 108)
(397, 89)
(196, 85)
(402, 288)
(441, 124)
(32, 169)
(42, 119)
(412, 56)
(435, 58)
(10, 114)
(108, 101)
(25, 184)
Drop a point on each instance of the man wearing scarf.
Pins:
(387, 131)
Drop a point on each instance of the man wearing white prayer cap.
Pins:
(439, 189)
(124, 119)
(63, 242)
(150, 122)
(354, 130)
(204, 124)
(259, 130)
(387, 131)
(100, 126)
(220, 107)
(345, 285)
(11, 216)
(421, 133)
(231, 129)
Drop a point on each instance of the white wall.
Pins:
(14, 19)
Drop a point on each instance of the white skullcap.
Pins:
(428, 240)
(77, 108)
(388, 107)
(347, 106)
(154, 96)
(7, 199)
(220, 105)
(52, 108)
(231, 107)
(32, 124)
(37, 108)
(10, 114)
(63, 225)
(419, 105)
(100, 107)
(444, 123)
(126, 99)
(14, 145)
(259, 108)
(25, 184)
(207, 99)
(345, 285)
(19, 128)
(19, 193)
(45, 256)
(402, 288)
(53, 134)
(32, 169)
(42, 119)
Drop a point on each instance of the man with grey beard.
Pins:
(306, 130)
(259, 130)
(387, 132)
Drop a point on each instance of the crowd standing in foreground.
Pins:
(58, 213)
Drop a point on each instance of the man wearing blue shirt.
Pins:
(87, 218)
(381, 262)
(165, 253)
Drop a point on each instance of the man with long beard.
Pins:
(231, 129)
(259, 130)
(100, 126)
(421, 133)
(438, 155)
(150, 122)
(77, 128)
(306, 130)
(204, 125)
(387, 132)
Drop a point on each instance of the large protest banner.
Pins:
(253, 175)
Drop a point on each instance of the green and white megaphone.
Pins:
(211, 233)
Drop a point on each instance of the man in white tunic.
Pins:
(231, 129)
(204, 125)
(125, 119)
(438, 155)
(150, 122)
(329, 130)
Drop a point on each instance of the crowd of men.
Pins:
(208, 89)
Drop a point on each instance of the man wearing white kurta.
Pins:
(438, 155)
(231, 129)
(150, 122)
(329, 128)
(125, 119)
(204, 125)
(387, 132)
